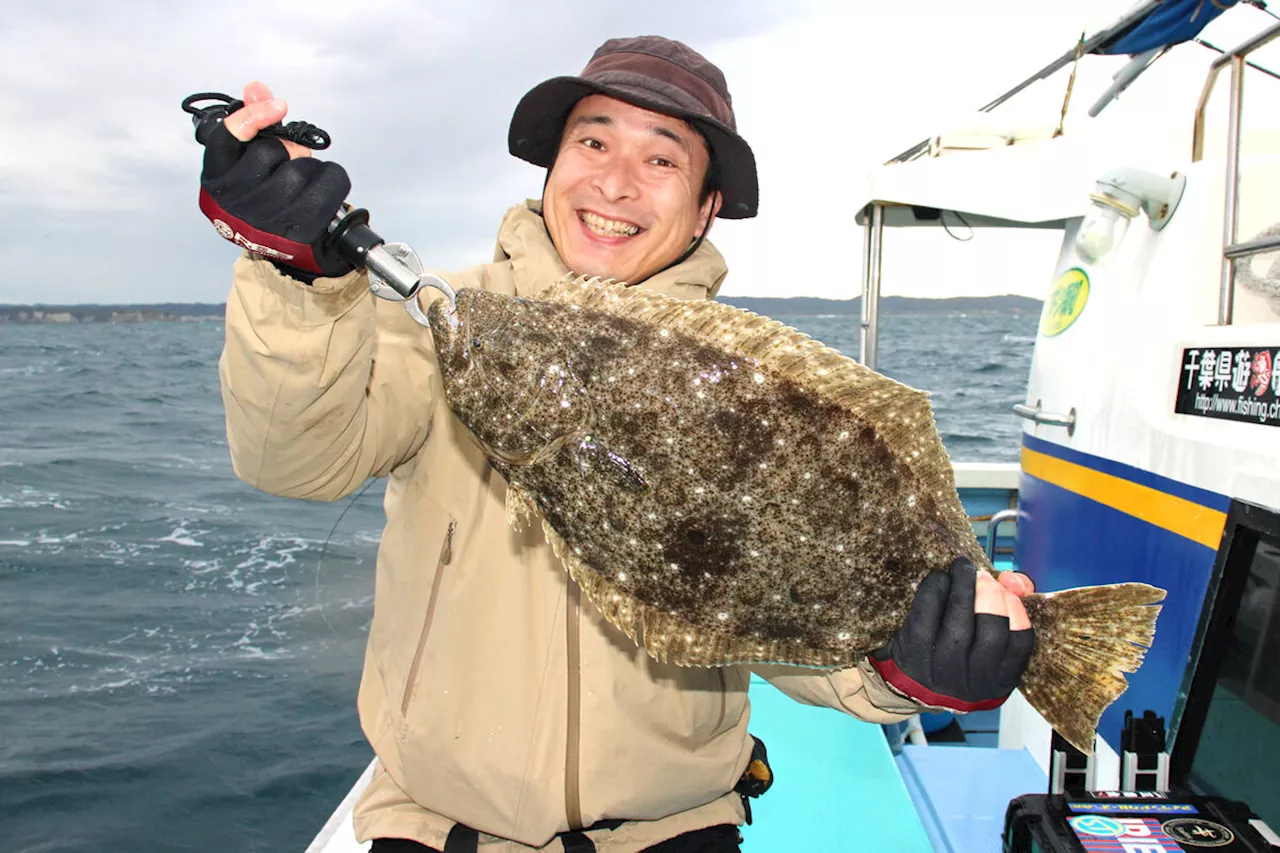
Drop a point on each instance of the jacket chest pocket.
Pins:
(695, 705)
(414, 674)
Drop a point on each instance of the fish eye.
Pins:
(476, 343)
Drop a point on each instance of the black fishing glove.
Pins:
(947, 656)
(259, 198)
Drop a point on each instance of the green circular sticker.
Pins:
(1065, 303)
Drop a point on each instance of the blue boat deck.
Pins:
(837, 787)
(840, 789)
(842, 785)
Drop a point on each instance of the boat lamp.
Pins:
(1117, 198)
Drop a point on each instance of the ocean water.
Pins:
(179, 653)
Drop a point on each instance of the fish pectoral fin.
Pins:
(521, 509)
(515, 460)
(594, 456)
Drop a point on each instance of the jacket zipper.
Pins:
(724, 698)
(572, 804)
(446, 555)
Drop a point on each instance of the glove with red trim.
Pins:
(259, 198)
(947, 656)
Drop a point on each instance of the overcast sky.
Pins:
(99, 171)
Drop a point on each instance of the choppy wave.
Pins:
(170, 634)
(26, 497)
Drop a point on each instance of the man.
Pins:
(504, 710)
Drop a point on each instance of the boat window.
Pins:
(1237, 749)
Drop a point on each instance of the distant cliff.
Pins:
(795, 306)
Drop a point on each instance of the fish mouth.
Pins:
(444, 321)
(607, 228)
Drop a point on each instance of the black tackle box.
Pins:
(1133, 822)
(1188, 793)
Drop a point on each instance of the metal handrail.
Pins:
(1262, 38)
(1231, 192)
(993, 525)
(1035, 413)
(1250, 248)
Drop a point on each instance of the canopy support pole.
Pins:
(872, 244)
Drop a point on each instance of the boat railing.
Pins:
(869, 341)
(1231, 249)
(993, 530)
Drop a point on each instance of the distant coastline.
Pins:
(796, 306)
(174, 312)
(811, 306)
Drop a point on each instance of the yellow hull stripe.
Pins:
(1178, 515)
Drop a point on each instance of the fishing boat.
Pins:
(1150, 447)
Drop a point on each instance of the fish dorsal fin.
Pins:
(900, 415)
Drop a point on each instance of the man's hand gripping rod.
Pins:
(395, 272)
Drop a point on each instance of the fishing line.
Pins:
(1247, 62)
(325, 548)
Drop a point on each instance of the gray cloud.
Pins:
(99, 171)
(98, 193)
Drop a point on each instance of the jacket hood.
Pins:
(523, 240)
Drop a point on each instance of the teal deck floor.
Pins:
(963, 792)
(836, 786)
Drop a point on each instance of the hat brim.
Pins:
(538, 123)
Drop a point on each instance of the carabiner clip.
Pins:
(301, 132)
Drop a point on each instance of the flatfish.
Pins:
(727, 490)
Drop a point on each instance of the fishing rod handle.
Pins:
(389, 276)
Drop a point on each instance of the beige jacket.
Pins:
(492, 693)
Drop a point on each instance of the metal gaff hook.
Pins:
(396, 274)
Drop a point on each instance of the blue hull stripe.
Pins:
(1067, 540)
(1204, 497)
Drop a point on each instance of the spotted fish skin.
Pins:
(696, 481)
(726, 490)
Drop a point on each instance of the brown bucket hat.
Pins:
(657, 74)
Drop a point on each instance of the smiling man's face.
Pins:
(622, 200)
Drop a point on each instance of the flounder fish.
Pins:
(727, 490)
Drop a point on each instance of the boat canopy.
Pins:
(1035, 184)
(1166, 24)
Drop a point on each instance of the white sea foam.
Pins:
(273, 553)
(45, 539)
(17, 543)
(124, 553)
(29, 498)
(215, 509)
(182, 536)
(185, 462)
(202, 567)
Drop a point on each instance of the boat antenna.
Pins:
(1136, 14)
(1254, 65)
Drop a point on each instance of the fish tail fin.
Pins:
(1086, 639)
